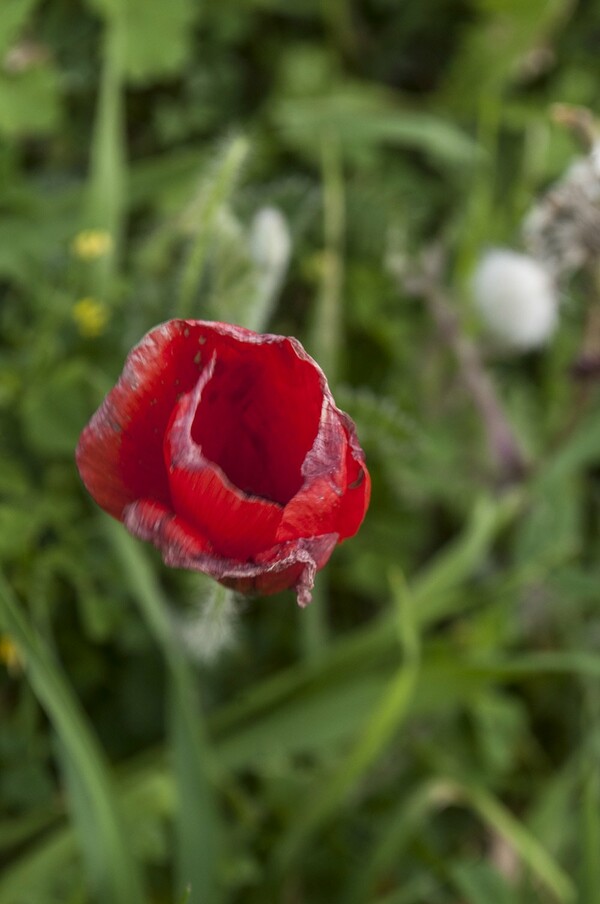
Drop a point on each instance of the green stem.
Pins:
(313, 625)
(325, 346)
(197, 822)
(327, 335)
(107, 186)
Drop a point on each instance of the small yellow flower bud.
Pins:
(91, 244)
(9, 655)
(91, 317)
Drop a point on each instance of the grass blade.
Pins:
(390, 712)
(530, 851)
(114, 874)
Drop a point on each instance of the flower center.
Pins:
(258, 419)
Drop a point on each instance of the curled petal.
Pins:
(285, 565)
(153, 521)
(355, 501)
(336, 491)
(239, 525)
(119, 454)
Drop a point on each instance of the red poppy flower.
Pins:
(225, 449)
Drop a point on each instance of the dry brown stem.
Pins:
(504, 449)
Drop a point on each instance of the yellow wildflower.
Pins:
(91, 317)
(91, 244)
(9, 655)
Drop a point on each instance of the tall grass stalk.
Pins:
(202, 213)
(325, 345)
(106, 201)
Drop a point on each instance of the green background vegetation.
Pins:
(429, 731)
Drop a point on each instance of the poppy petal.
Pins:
(355, 500)
(284, 566)
(153, 521)
(331, 499)
(119, 454)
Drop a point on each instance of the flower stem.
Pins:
(314, 633)
(106, 205)
(327, 329)
(325, 346)
(197, 823)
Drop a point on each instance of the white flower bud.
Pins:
(516, 299)
(270, 242)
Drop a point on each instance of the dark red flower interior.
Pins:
(258, 418)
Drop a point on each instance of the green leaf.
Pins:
(406, 820)
(500, 724)
(18, 529)
(533, 855)
(29, 101)
(503, 32)
(13, 17)
(156, 36)
(390, 712)
(363, 117)
(56, 409)
(478, 883)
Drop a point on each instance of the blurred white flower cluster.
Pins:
(562, 230)
(516, 298)
(517, 295)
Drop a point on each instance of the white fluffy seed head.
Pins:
(516, 299)
(210, 628)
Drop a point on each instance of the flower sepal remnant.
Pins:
(225, 449)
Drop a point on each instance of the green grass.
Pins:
(427, 731)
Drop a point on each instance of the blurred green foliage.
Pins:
(429, 731)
